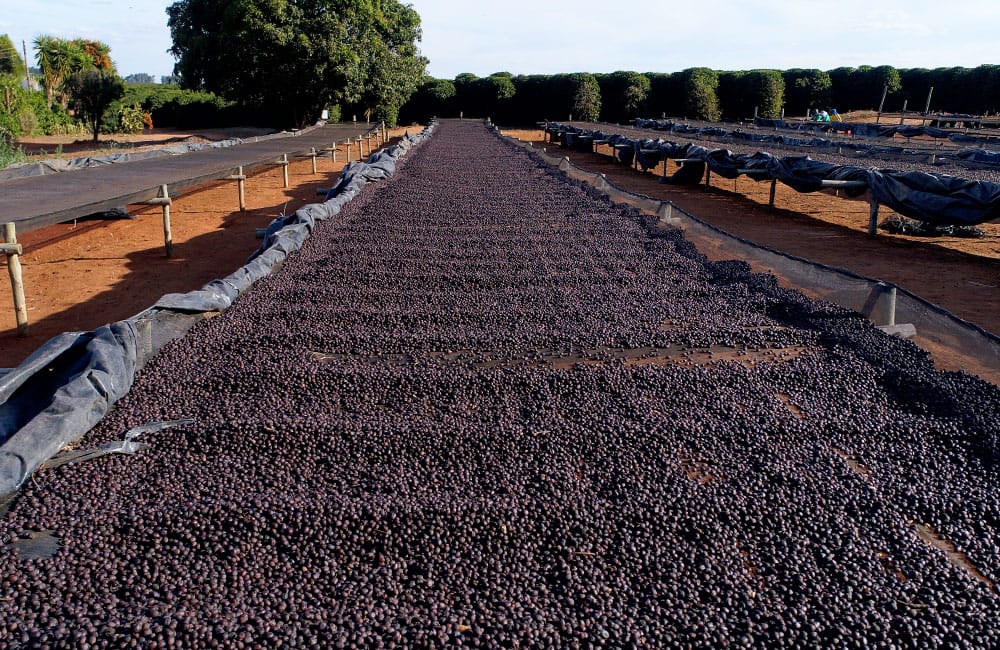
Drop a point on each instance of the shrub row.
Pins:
(703, 93)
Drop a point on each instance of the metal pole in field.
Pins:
(13, 251)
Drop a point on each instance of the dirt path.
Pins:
(79, 276)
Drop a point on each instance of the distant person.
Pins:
(835, 116)
(817, 117)
(824, 116)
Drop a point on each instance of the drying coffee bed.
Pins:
(485, 406)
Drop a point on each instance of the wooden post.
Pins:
(872, 217)
(13, 251)
(927, 106)
(284, 169)
(240, 179)
(361, 149)
(774, 187)
(312, 154)
(902, 116)
(164, 201)
(885, 91)
(708, 176)
(348, 141)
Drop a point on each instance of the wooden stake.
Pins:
(873, 217)
(284, 168)
(13, 252)
(885, 91)
(164, 201)
(774, 187)
(348, 141)
(312, 154)
(240, 179)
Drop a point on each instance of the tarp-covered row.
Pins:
(939, 199)
(978, 155)
(871, 130)
(58, 165)
(66, 386)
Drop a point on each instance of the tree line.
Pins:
(705, 94)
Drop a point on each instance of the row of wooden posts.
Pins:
(13, 250)
(835, 185)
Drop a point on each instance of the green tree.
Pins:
(806, 89)
(433, 98)
(292, 58)
(11, 62)
(623, 94)
(91, 93)
(140, 78)
(59, 58)
(387, 67)
(701, 92)
(587, 99)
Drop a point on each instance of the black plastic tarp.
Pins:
(935, 198)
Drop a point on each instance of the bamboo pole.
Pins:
(13, 251)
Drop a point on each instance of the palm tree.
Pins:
(59, 58)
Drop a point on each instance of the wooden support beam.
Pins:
(873, 218)
(313, 154)
(348, 142)
(240, 179)
(284, 169)
(13, 252)
(774, 188)
(164, 201)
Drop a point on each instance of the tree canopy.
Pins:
(91, 92)
(292, 58)
(58, 58)
(11, 62)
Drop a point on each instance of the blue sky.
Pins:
(586, 35)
